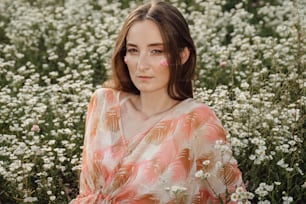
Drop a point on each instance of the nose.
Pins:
(143, 61)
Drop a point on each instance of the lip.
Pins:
(145, 77)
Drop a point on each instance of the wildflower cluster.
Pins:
(52, 56)
(251, 71)
(207, 171)
(178, 192)
(202, 173)
(241, 196)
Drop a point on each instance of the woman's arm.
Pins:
(217, 170)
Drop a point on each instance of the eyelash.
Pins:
(156, 51)
(153, 52)
(132, 50)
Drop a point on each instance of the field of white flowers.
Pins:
(251, 71)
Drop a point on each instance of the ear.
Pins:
(185, 55)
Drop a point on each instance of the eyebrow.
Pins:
(150, 45)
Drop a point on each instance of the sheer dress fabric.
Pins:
(141, 169)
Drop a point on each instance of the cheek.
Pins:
(130, 60)
(163, 63)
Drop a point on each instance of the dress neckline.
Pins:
(165, 114)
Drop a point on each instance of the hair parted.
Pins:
(176, 36)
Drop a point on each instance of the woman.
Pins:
(146, 139)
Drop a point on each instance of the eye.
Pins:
(132, 50)
(156, 51)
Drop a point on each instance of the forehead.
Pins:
(144, 33)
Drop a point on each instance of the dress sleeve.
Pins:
(87, 181)
(217, 170)
(85, 186)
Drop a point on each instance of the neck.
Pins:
(150, 104)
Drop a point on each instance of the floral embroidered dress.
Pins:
(142, 168)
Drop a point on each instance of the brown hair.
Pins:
(176, 36)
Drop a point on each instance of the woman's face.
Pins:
(146, 58)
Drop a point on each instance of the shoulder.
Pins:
(197, 114)
(104, 91)
(111, 94)
(105, 95)
(199, 109)
(203, 121)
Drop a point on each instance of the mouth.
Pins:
(144, 77)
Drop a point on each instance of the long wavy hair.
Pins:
(176, 36)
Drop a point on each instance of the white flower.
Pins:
(199, 174)
(206, 162)
(234, 197)
(19, 178)
(289, 169)
(30, 199)
(287, 199)
(244, 85)
(52, 198)
(224, 148)
(250, 195)
(51, 142)
(239, 189)
(264, 202)
(252, 157)
(202, 175)
(176, 189)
